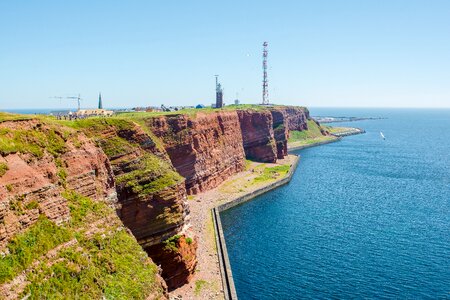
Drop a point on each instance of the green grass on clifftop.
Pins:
(192, 112)
(12, 117)
(95, 127)
(33, 140)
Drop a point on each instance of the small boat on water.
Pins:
(382, 135)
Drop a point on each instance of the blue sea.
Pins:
(362, 218)
(30, 111)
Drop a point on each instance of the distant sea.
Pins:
(41, 111)
(363, 218)
(30, 111)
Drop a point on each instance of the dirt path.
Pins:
(207, 283)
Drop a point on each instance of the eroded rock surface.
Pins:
(280, 131)
(151, 194)
(257, 135)
(34, 185)
(177, 259)
(205, 149)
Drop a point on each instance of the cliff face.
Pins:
(285, 119)
(151, 195)
(205, 149)
(257, 135)
(37, 179)
(281, 131)
(56, 192)
(176, 256)
(142, 166)
(297, 117)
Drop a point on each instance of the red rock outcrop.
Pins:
(297, 117)
(177, 258)
(151, 195)
(33, 186)
(205, 149)
(280, 131)
(257, 135)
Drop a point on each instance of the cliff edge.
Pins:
(107, 197)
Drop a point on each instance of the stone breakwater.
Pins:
(349, 131)
(143, 167)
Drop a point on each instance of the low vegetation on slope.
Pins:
(149, 174)
(91, 256)
(314, 134)
(3, 168)
(34, 138)
(12, 117)
(149, 167)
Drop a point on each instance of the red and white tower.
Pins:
(265, 93)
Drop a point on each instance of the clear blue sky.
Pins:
(321, 53)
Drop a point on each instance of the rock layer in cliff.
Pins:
(151, 194)
(257, 135)
(177, 258)
(205, 148)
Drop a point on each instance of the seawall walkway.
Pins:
(229, 289)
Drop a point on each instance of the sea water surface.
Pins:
(361, 218)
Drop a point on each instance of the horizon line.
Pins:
(117, 107)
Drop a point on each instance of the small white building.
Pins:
(93, 112)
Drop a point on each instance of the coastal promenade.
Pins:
(213, 278)
(224, 263)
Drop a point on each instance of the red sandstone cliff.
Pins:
(285, 119)
(177, 257)
(205, 149)
(257, 135)
(150, 193)
(135, 176)
(37, 182)
(297, 117)
(281, 131)
(134, 168)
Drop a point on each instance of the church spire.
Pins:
(100, 104)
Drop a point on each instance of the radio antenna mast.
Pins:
(265, 91)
